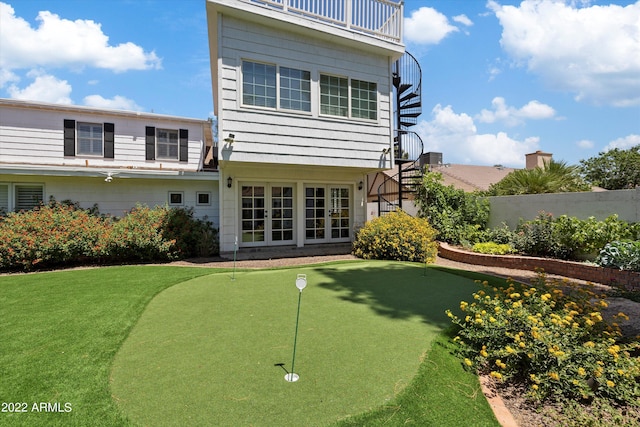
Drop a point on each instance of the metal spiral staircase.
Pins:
(408, 146)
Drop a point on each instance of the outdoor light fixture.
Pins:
(110, 176)
(229, 182)
(386, 150)
(230, 138)
(301, 283)
(360, 184)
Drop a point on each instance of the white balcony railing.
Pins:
(380, 18)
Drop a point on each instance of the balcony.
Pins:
(378, 18)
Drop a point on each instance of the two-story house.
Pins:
(304, 95)
(111, 158)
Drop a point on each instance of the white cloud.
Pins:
(624, 143)
(590, 51)
(59, 42)
(456, 136)
(7, 76)
(585, 144)
(45, 88)
(117, 103)
(463, 19)
(511, 116)
(427, 26)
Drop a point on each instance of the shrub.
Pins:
(624, 255)
(63, 233)
(552, 338)
(493, 248)
(458, 216)
(396, 236)
(49, 235)
(538, 238)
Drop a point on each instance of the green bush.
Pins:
(396, 236)
(49, 235)
(569, 237)
(624, 255)
(551, 338)
(459, 217)
(492, 248)
(64, 234)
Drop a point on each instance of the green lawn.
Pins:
(203, 352)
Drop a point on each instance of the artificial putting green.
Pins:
(203, 352)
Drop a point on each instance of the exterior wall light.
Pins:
(360, 185)
(229, 182)
(230, 138)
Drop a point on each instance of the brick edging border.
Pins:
(629, 280)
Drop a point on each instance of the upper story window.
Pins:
(89, 139)
(334, 98)
(167, 144)
(334, 95)
(258, 84)
(266, 85)
(295, 89)
(364, 100)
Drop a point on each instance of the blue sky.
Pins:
(501, 78)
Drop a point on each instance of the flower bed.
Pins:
(628, 280)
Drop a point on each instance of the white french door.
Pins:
(327, 213)
(266, 214)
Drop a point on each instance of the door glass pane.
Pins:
(340, 213)
(315, 213)
(281, 197)
(252, 214)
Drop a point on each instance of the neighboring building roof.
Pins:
(93, 110)
(470, 177)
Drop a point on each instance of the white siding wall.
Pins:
(267, 136)
(36, 136)
(122, 194)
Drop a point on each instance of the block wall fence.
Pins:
(628, 280)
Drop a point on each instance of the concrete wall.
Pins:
(510, 209)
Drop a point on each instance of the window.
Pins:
(175, 198)
(28, 196)
(167, 144)
(334, 95)
(4, 199)
(364, 100)
(295, 89)
(258, 84)
(90, 139)
(203, 198)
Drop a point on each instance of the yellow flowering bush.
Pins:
(552, 338)
(396, 236)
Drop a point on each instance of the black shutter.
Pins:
(150, 143)
(69, 137)
(108, 140)
(184, 145)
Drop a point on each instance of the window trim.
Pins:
(168, 144)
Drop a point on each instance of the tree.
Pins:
(553, 177)
(614, 169)
(456, 215)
